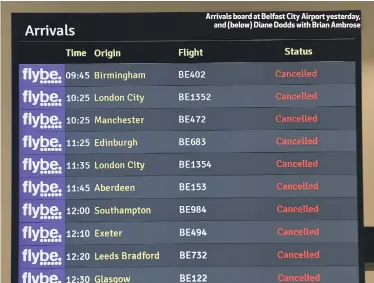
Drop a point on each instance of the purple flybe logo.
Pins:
(41, 166)
(41, 257)
(41, 211)
(40, 277)
(41, 98)
(41, 75)
(41, 120)
(41, 143)
(41, 188)
(41, 234)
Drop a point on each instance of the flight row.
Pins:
(204, 119)
(264, 73)
(187, 96)
(193, 164)
(189, 255)
(186, 187)
(218, 232)
(322, 274)
(212, 209)
(188, 141)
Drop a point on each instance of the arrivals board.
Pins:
(187, 147)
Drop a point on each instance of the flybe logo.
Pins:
(41, 257)
(41, 188)
(41, 121)
(40, 234)
(41, 166)
(41, 143)
(41, 76)
(39, 277)
(41, 211)
(41, 98)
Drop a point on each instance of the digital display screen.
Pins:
(187, 147)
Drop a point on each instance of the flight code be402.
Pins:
(195, 74)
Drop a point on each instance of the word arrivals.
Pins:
(41, 143)
(33, 277)
(41, 76)
(41, 211)
(41, 189)
(41, 98)
(41, 257)
(41, 121)
(50, 31)
(41, 234)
